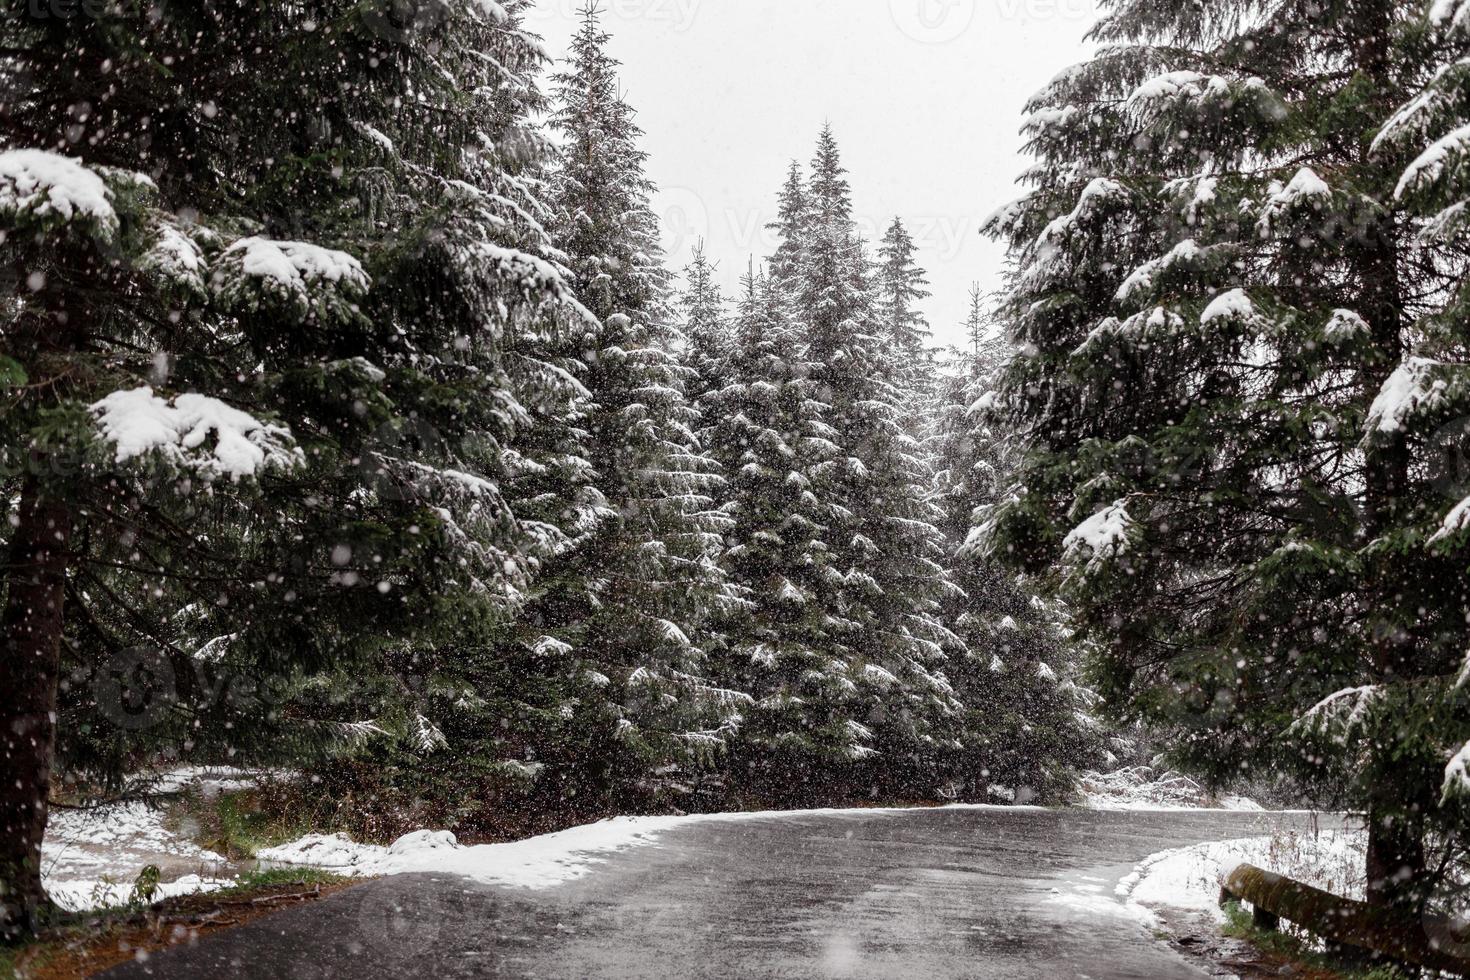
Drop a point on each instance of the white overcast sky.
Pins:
(925, 97)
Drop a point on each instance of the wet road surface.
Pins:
(952, 893)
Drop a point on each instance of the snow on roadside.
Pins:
(534, 863)
(91, 858)
(1142, 788)
(1188, 879)
(87, 895)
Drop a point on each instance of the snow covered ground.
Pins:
(1187, 880)
(91, 858)
(1143, 788)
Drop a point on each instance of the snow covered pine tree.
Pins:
(901, 288)
(630, 599)
(1218, 284)
(195, 403)
(884, 568)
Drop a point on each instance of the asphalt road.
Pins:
(923, 894)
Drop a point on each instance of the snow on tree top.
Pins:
(138, 422)
(1231, 305)
(1411, 386)
(41, 183)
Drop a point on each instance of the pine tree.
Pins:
(1215, 291)
(1023, 730)
(766, 433)
(900, 284)
(977, 322)
(878, 528)
(627, 603)
(263, 529)
(793, 217)
(705, 330)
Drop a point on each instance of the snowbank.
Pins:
(1189, 879)
(91, 858)
(1142, 788)
(81, 896)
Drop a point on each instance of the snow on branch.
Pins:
(1411, 388)
(176, 259)
(194, 432)
(303, 276)
(1456, 521)
(1101, 538)
(1231, 305)
(534, 277)
(1344, 712)
(1430, 166)
(39, 184)
(1457, 775)
(1097, 191)
(1304, 188)
(1450, 15)
(1344, 325)
(1174, 88)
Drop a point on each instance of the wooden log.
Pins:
(1389, 934)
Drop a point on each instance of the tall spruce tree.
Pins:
(1025, 729)
(767, 434)
(884, 547)
(628, 602)
(201, 404)
(1217, 286)
(706, 333)
(901, 288)
(790, 227)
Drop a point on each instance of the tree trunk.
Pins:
(30, 663)
(1397, 866)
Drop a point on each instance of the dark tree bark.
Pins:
(1396, 860)
(1396, 852)
(30, 662)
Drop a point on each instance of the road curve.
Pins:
(949, 893)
